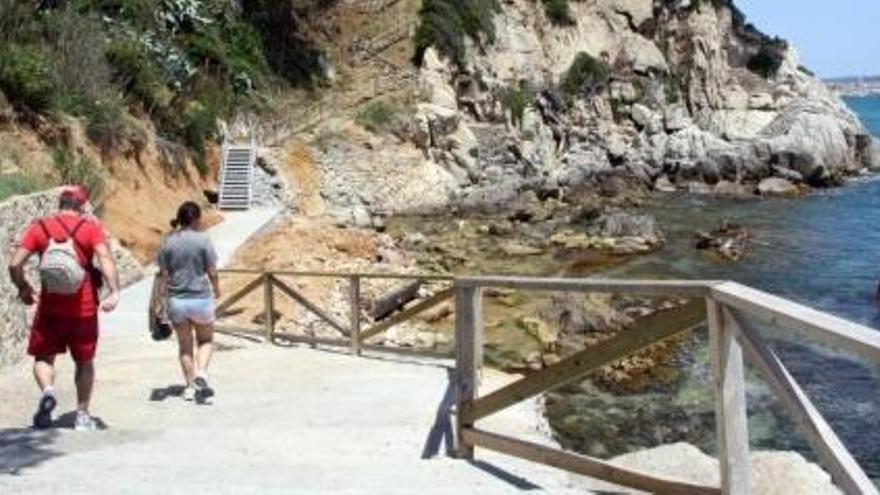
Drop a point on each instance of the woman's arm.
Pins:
(214, 277)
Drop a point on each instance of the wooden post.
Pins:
(269, 306)
(730, 403)
(468, 359)
(354, 296)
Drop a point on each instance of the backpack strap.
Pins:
(42, 225)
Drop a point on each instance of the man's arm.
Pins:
(108, 268)
(16, 273)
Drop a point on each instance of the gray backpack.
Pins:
(61, 271)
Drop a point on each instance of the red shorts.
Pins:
(54, 334)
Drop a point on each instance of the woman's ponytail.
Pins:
(188, 214)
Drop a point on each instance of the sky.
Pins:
(834, 38)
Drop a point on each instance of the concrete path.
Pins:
(285, 420)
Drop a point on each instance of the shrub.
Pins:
(78, 51)
(136, 73)
(768, 59)
(19, 183)
(78, 170)
(377, 116)
(559, 12)
(516, 100)
(586, 73)
(444, 24)
(26, 77)
(140, 14)
(199, 125)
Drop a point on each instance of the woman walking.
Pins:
(188, 273)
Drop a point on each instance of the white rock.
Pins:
(647, 119)
(775, 186)
(638, 11)
(663, 184)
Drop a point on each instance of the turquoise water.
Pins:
(823, 251)
(868, 109)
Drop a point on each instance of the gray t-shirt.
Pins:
(187, 255)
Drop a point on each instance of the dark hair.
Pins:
(187, 214)
(69, 202)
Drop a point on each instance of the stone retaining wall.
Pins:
(16, 214)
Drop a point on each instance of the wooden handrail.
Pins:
(320, 274)
(732, 339)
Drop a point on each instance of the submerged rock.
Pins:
(728, 240)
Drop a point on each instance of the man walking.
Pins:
(67, 307)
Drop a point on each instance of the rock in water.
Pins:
(728, 240)
(774, 186)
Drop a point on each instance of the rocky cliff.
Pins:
(671, 95)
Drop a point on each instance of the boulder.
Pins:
(787, 174)
(775, 186)
(772, 472)
(646, 119)
(709, 171)
(624, 91)
(675, 118)
(624, 224)
(637, 11)
(761, 101)
(663, 184)
(728, 188)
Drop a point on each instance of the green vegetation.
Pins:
(516, 100)
(18, 183)
(78, 170)
(377, 117)
(559, 12)
(183, 64)
(768, 59)
(585, 75)
(26, 77)
(445, 24)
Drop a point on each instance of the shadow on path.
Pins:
(22, 448)
(441, 431)
(441, 435)
(160, 394)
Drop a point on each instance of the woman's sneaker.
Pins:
(84, 422)
(203, 390)
(43, 416)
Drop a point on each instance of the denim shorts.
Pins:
(199, 311)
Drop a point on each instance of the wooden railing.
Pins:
(350, 334)
(730, 308)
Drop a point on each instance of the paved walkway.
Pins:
(285, 420)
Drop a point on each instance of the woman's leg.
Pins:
(205, 341)
(185, 350)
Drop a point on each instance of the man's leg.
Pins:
(185, 351)
(44, 372)
(85, 382)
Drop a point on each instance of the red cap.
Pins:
(78, 193)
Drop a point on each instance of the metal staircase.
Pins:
(237, 177)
